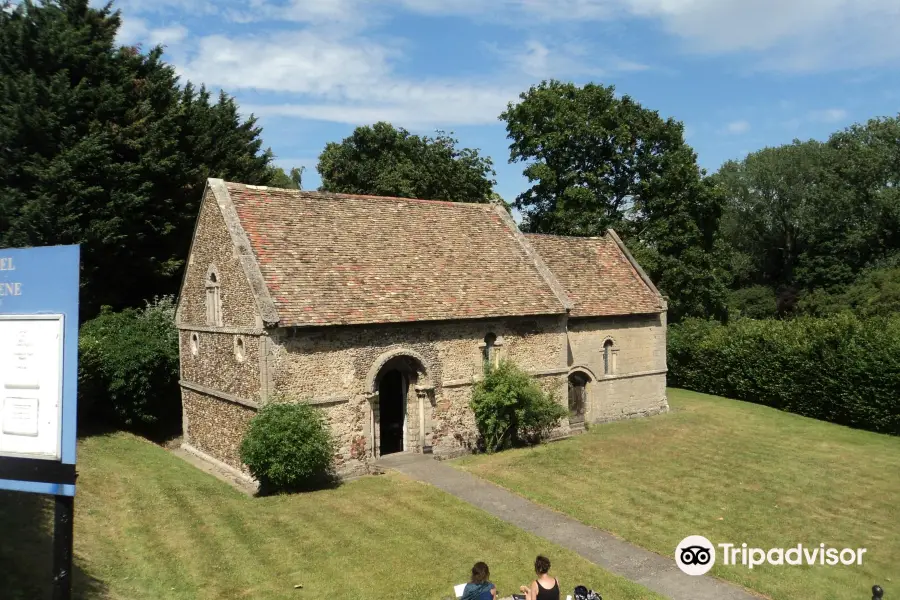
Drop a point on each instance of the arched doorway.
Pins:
(402, 400)
(393, 387)
(578, 383)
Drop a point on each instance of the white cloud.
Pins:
(131, 31)
(137, 31)
(163, 6)
(737, 127)
(300, 62)
(465, 107)
(569, 59)
(348, 14)
(553, 10)
(168, 35)
(342, 80)
(829, 115)
(792, 35)
(783, 35)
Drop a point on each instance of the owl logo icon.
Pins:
(695, 555)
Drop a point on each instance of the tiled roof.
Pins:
(597, 275)
(332, 259)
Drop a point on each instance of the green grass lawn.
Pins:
(148, 525)
(733, 472)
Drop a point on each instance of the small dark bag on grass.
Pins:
(582, 593)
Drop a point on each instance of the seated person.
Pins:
(479, 588)
(544, 587)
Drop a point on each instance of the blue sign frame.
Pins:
(45, 281)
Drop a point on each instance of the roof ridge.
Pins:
(572, 237)
(543, 270)
(340, 195)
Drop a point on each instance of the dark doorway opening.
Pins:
(577, 395)
(391, 411)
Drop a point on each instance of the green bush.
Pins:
(128, 366)
(754, 302)
(876, 292)
(288, 446)
(511, 409)
(843, 368)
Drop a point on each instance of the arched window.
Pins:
(239, 349)
(213, 299)
(609, 358)
(489, 350)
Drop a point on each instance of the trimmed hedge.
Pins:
(841, 369)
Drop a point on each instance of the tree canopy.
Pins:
(597, 161)
(383, 160)
(810, 217)
(100, 146)
(289, 181)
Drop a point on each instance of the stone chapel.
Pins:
(381, 311)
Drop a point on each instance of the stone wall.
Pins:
(215, 426)
(334, 367)
(636, 385)
(213, 246)
(218, 361)
(627, 397)
(217, 364)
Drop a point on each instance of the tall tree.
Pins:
(288, 181)
(99, 146)
(596, 161)
(810, 216)
(771, 199)
(387, 161)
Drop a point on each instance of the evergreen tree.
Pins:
(100, 146)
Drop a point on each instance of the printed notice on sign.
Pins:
(20, 416)
(30, 390)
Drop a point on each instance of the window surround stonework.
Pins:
(495, 347)
(610, 360)
(213, 286)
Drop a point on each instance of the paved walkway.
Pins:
(651, 570)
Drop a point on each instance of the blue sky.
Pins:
(740, 74)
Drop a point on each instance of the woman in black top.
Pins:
(543, 587)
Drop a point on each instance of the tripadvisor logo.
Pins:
(696, 555)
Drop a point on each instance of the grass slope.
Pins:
(150, 526)
(732, 472)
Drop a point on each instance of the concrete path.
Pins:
(651, 570)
